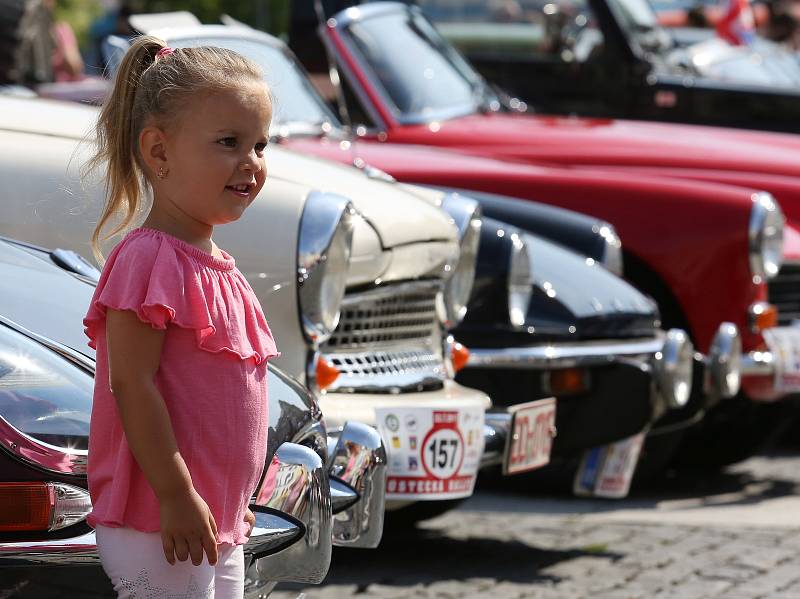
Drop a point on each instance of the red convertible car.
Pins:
(705, 251)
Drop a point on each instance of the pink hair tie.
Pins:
(165, 51)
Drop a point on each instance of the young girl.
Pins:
(179, 424)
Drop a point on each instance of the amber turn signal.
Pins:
(459, 355)
(327, 373)
(763, 316)
(567, 381)
(26, 506)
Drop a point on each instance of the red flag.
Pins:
(737, 27)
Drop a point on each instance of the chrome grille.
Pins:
(784, 292)
(388, 339)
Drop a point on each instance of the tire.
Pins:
(734, 430)
(422, 510)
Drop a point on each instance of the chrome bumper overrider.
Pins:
(658, 353)
(496, 434)
(357, 470)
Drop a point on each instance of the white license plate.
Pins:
(784, 344)
(533, 426)
(607, 471)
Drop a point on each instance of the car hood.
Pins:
(753, 159)
(40, 296)
(381, 202)
(572, 288)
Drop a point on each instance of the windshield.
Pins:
(296, 101)
(425, 80)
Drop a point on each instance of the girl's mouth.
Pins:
(242, 190)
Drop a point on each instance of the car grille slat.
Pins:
(388, 340)
(784, 292)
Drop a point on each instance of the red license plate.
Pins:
(533, 426)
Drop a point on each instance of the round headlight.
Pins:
(466, 216)
(520, 282)
(674, 364)
(459, 285)
(765, 236)
(323, 253)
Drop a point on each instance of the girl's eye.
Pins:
(229, 142)
(260, 147)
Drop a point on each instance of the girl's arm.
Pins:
(134, 354)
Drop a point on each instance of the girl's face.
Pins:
(215, 154)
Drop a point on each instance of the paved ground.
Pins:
(735, 535)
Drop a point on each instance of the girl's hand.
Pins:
(188, 528)
(250, 518)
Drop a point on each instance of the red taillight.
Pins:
(26, 506)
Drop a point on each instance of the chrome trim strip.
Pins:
(565, 355)
(758, 363)
(358, 462)
(39, 454)
(64, 351)
(296, 485)
(80, 550)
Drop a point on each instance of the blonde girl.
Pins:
(179, 423)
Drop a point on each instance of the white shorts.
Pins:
(135, 563)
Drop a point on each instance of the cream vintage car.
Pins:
(360, 278)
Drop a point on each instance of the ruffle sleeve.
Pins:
(166, 282)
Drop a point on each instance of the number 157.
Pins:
(443, 452)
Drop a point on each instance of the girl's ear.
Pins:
(153, 149)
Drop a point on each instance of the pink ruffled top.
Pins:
(212, 375)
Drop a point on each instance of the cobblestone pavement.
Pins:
(734, 535)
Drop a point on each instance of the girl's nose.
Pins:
(252, 164)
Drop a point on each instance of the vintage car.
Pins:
(307, 125)
(614, 345)
(559, 56)
(305, 498)
(359, 290)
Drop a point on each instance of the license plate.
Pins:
(784, 344)
(607, 471)
(433, 453)
(533, 426)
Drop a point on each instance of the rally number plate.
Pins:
(433, 453)
(784, 343)
(533, 426)
(607, 471)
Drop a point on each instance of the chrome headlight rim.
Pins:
(611, 258)
(674, 368)
(519, 286)
(765, 236)
(460, 277)
(324, 248)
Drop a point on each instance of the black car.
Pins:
(611, 58)
(304, 502)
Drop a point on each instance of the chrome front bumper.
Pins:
(758, 363)
(651, 353)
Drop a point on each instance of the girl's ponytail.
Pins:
(116, 129)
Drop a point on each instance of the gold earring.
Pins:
(162, 172)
